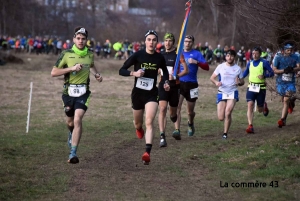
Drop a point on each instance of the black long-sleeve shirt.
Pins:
(150, 63)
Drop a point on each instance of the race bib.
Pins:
(254, 88)
(287, 77)
(218, 54)
(194, 93)
(226, 96)
(144, 83)
(76, 90)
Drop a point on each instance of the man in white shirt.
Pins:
(229, 76)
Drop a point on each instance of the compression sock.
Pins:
(148, 148)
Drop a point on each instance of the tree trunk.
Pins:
(233, 25)
(215, 12)
(3, 19)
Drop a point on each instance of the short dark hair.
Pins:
(258, 49)
(190, 37)
(231, 52)
(80, 30)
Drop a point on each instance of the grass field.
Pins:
(33, 166)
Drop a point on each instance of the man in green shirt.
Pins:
(76, 64)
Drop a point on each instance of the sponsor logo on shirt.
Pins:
(149, 66)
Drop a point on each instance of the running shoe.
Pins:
(176, 134)
(250, 129)
(146, 158)
(191, 129)
(291, 105)
(140, 133)
(281, 122)
(266, 110)
(70, 140)
(163, 142)
(224, 137)
(73, 159)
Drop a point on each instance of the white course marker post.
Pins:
(29, 106)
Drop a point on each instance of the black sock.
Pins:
(190, 124)
(174, 119)
(162, 134)
(225, 134)
(148, 148)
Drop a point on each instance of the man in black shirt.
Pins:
(171, 96)
(144, 94)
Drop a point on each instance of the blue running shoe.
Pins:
(176, 134)
(191, 129)
(73, 159)
(70, 140)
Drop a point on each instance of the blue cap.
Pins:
(288, 46)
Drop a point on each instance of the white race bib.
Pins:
(226, 96)
(287, 77)
(254, 88)
(144, 83)
(194, 93)
(76, 90)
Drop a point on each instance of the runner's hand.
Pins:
(77, 67)
(139, 73)
(260, 77)
(218, 84)
(167, 86)
(288, 70)
(98, 77)
(192, 61)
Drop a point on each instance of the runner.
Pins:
(144, 95)
(258, 69)
(171, 96)
(285, 66)
(189, 85)
(230, 75)
(76, 64)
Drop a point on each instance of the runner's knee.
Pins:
(163, 109)
(174, 118)
(192, 114)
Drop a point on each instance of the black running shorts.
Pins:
(73, 103)
(171, 96)
(139, 100)
(185, 90)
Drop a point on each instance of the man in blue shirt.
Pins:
(189, 84)
(285, 66)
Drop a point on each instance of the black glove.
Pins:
(288, 70)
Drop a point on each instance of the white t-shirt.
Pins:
(227, 75)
